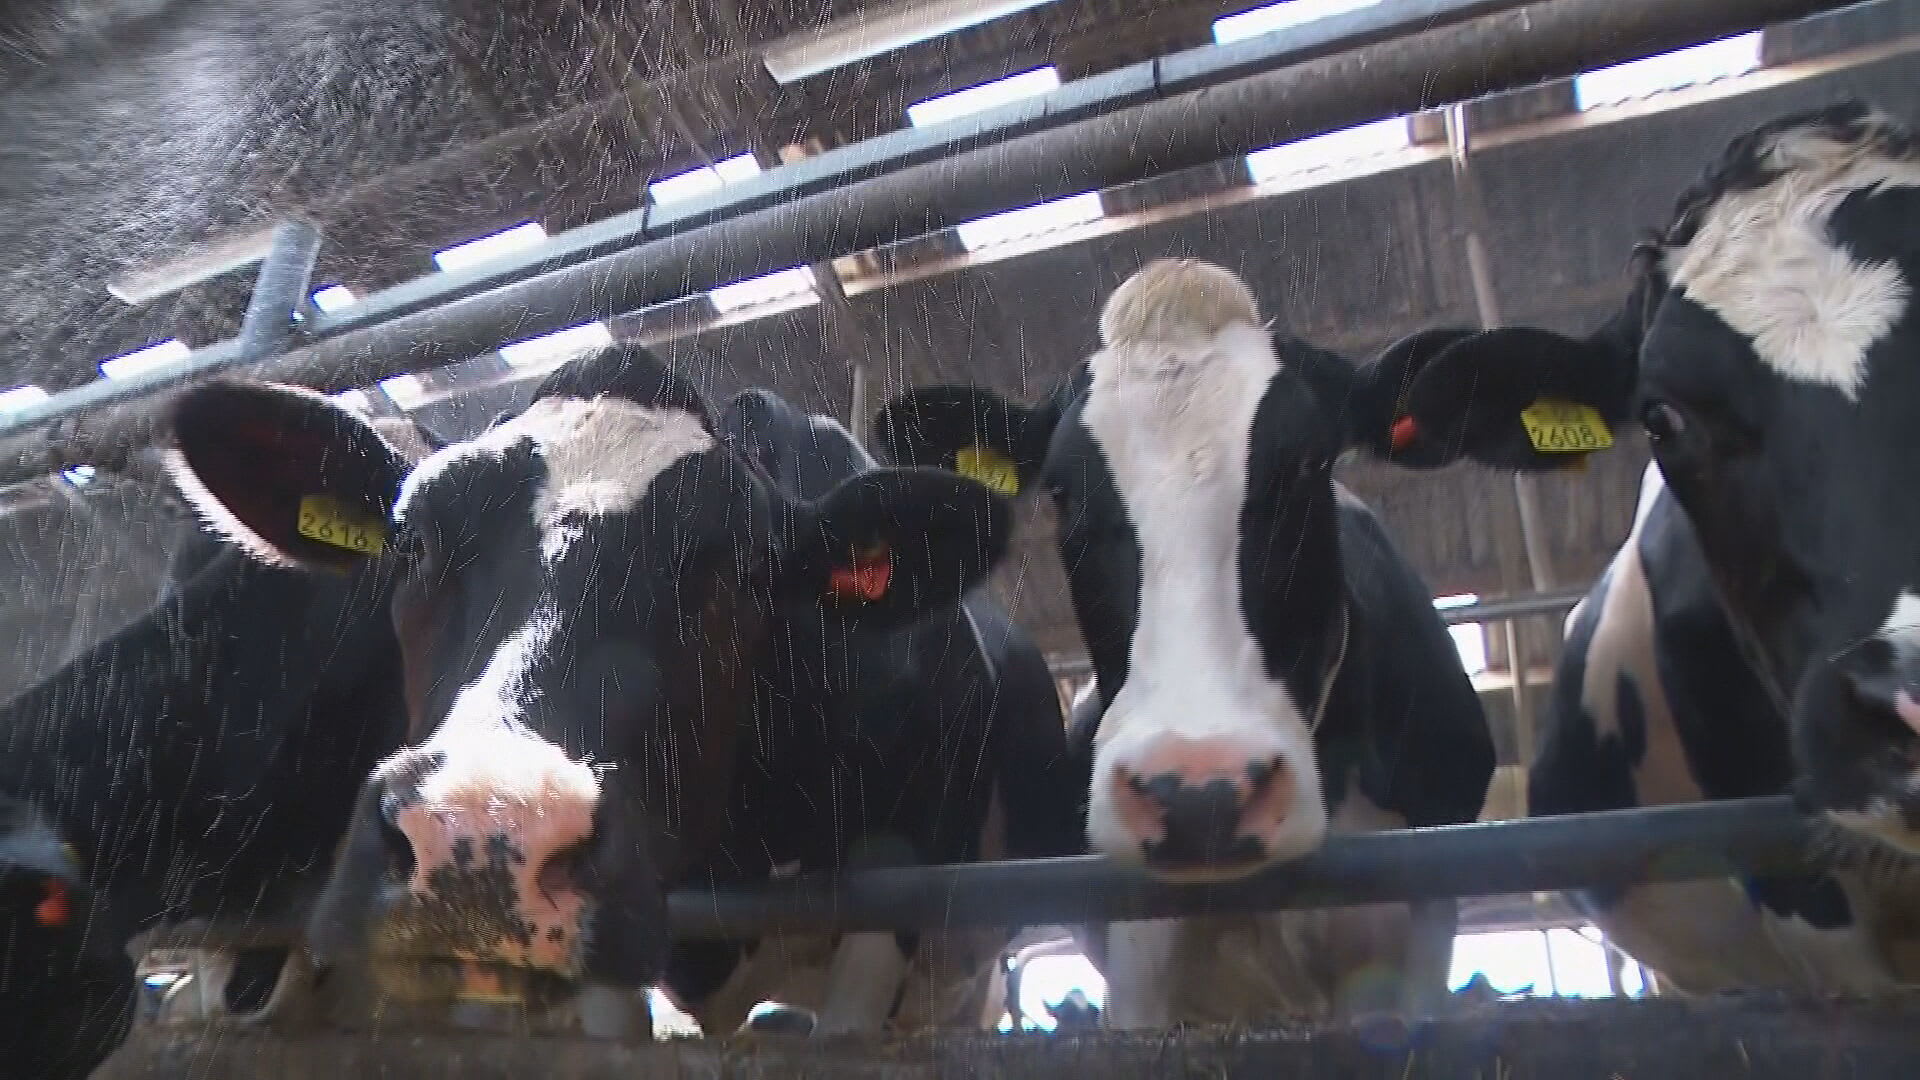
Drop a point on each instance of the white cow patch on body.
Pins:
(1764, 261)
(1173, 415)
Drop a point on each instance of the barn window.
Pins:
(406, 391)
(682, 186)
(1557, 962)
(486, 248)
(354, 401)
(1281, 16)
(766, 289)
(79, 475)
(551, 349)
(1668, 71)
(334, 298)
(1469, 638)
(983, 97)
(1322, 152)
(1031, 221)
(141, 361)
(21, 397)
(868, 36)
(1046, 981)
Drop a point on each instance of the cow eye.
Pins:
(1662, 421)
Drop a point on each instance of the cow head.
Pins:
(1191, 462)
(1771, 352)
(805, 454)
(582, 595)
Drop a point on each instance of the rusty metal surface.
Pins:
(1749, 1036)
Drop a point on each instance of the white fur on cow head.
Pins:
(601, 455)
(1171, 407)
(1765, 262)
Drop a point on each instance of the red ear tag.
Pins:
(55, 909)
(1405, 430)
(866, 579)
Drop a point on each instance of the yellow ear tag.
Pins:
(1565, 427)
(323, 518)
(989, 467)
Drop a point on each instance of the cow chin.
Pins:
(1890, 821)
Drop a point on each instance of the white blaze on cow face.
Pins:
(1765, 262)
(503, 805)
(1171, 407)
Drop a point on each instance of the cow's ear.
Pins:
(890, 545)
(1513, 398)
(286, 473)
(974, 432)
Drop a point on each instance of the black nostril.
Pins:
(568, 870)
(1259, 772)
(399, 848)
(1134, 782)
(1202, 823)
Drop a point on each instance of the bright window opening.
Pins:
(1469, 639)
(1281, 16)
(1032, 221)
(21, 397)
(334, 298)
(983, 97)
(487, 248)
(407, 391)
(79, 475)
(1668, 71)
(142, 361)
(1327, 151)
(810, 54)
(1046, 981)
(682, 186)
(1559, 962)
(551, 349)
(354, 401)
(766, 289)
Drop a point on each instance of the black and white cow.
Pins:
(632, 662)
(1769, 348)
(1654, 703)
(1269, 668)
(198, 764)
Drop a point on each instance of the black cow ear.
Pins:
(891, 545)
(1514, 398)
(974, 432)
(286, 473)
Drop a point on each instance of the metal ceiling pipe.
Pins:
(1671, 843)
(783, 219)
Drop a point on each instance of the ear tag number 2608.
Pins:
(1564, 427)
(323, 518)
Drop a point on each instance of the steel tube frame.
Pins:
(1672, 843)
(916, 182)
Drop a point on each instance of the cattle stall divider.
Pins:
(1191, 108)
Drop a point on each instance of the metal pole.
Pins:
(1618, 847)
(916, 182)
(280, 290)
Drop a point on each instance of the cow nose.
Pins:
(492, 844)
(1212, 803)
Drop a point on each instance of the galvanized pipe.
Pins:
(1671, 843)
(280, 289)
(917, 182)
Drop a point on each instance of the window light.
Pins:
(474, 252)
(1030, 221)
(682, 186)
(79, 475)
(1325, 151)
(354, 401)
(406, 391)
(1470, 638)
(21, 397)
(334, 297)
(557, 346)
(867, 36)
(765, 289)
(1281, 16)
(142, 361)
(983, 97)
(1668, 71)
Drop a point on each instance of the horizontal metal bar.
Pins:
(1075, 141)
(1513, 607)
(1670, 843)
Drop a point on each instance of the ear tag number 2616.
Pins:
(1564, 427)
(323, 518)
